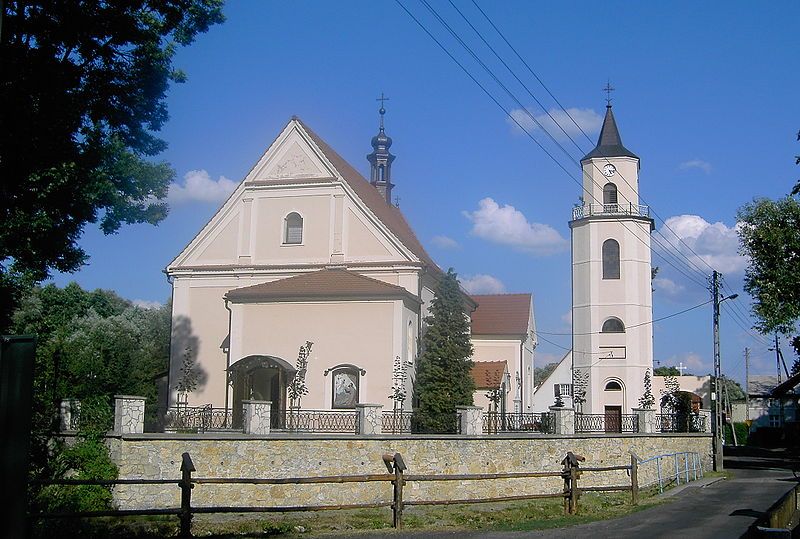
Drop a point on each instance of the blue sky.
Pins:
(706, 95)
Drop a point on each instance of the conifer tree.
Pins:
(443, 371)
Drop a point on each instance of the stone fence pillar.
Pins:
(707, 415)
(370, 418)
(128, 414)
(470, 419)
(69, 414)
(647, 420)
(564, 419)
(256, 416)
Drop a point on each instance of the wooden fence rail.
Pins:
(396, 467)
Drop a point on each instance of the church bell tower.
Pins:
(380, 159)
(612, 301)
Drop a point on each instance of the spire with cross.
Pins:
(380, 159)
(608, 89)
(382, 110)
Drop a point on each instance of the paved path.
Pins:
(724, 509)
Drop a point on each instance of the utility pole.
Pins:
(717, 394)
(778, 356)
(716, 425)
(747, 384)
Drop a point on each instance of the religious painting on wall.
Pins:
(345, 389)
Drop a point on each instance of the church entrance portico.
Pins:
(258, 377)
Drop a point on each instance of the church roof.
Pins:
(389, 214)
(488, 374)
(761, 385)
(327, 283)
(501, 314)
(610, 143)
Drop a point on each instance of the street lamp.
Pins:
(717, 426)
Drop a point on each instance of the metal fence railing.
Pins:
(196, 418)
(396, 421)
(606, 423)
(495, 422)
(342, 421)
(680, 423)
(670, 468)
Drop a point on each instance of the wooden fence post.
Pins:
(573, 493)
(571, 473)
(399, 468)
(634, 480)
(187, 467)
(395, 464)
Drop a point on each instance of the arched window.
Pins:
(613, 385)
(610, 259)
(345, 382)
(613, 325)
(609, 194)
(293, 230)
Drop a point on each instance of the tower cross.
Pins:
(382, 98)
(608, 89)
(681, 368)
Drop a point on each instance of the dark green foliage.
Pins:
(666, 371)
(770, 237)
(82, 91)
(742, 433)
(91, 346)
(443, 372)
(541, 373)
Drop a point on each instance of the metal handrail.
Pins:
(690, 469)
(587, 210)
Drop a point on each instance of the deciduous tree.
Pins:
(82, 92)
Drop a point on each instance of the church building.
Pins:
(308, 250)
(612, 307)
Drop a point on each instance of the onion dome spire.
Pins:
(380, 159)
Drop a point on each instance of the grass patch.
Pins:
(507, 516)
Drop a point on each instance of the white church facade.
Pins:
(307, 249)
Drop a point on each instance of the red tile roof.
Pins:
(389, 214)
(488, 374)
(328, 283)
(501, 314)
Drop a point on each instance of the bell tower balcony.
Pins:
(626, 210)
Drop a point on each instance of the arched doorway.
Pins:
(614, 400)
(261, 378)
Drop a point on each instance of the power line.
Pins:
(507, 112)
(634, 325)
(502, 36)
(533, 118)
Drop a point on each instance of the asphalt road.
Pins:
(724, 509)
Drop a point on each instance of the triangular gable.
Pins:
(291, 157)
(298, 155)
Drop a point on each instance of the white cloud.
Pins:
(588, 120)
(705, 166)
(508, 226)
(566, 318)
(445, 242)
(483, 284)
(198, 186)
(147, 304)
(715, 244)
(668, 287)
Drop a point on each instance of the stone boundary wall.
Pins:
(158, 456)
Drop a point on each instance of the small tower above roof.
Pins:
(380, 159)
(610, 143)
